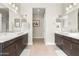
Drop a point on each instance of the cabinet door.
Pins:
(67, 46)
(19, 45)
(61, 43)
(75, 49)
(10, 50)
(59, 40)
(25, 39)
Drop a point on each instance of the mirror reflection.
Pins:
(10, 18)
(4, 19)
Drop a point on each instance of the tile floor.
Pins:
(40, 49)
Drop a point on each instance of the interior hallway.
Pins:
(40, 49)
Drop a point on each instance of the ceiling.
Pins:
(39, 11)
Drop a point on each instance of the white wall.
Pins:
(51, 15)
(12, 17)
(52, 11)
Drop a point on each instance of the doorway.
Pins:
(38, 25)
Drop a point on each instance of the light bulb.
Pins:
(70, 6)
(67, 8)
(16, 8)
(13, 5)
(74, 3)
(9, 3)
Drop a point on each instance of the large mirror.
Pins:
(73, 21)
(10, 18)
(70, 22)
(4, 19)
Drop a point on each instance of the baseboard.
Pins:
(45, 44)
(50, 44)
(38, 37)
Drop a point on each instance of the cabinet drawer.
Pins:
(70, 45)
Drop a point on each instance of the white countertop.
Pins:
(9, 36)
(73, 35)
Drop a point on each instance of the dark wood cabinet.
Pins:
(25, 41)
(14, 47)
(75, 49)
(10, 50)
(59, 41)
(19, 46)
(69, 45)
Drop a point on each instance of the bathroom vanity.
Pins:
(68, 42)
(12, 44)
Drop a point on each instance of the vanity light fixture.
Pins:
(70, 7)
(13, 5)
(74, 4)
(9, 3)
(67, 8)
